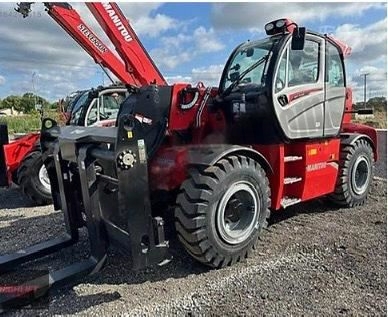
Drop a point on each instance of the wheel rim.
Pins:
(44, 179)
(360, 175)
(238, 212)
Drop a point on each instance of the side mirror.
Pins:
(93, 94)
(365, 111)
(250, 52)
(234, 76)
(298, 38)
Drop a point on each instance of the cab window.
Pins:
(281, 77)
(303, 65)
(110, 105)
(334, 67)
(92, 116)
(78, 108)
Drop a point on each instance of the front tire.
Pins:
(355, 174)
(33, 179)
(222, 210)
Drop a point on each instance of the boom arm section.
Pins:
(128, 45)
(71, 22)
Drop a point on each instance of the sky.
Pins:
(189, 42)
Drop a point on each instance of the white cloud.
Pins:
(209, 75)
(366, 46)
(2, 80)
(168, 58)
(376, 82)
(181, 48)
(206, 41)
(255, 15)
(178, 79)
(369, 55)
(154, 26)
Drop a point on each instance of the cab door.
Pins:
(335, 90)
(298, 89)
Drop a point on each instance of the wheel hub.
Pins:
(44, 179)
(360, 175)
(237, 213)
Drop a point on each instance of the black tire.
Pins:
(355, 174)
(199, 212)
(28, 179)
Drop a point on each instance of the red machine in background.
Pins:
(275, 132)
(21, 161)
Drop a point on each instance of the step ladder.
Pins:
(292, 180)
(289, 201)
(292, 158)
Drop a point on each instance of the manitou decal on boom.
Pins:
(116, 20)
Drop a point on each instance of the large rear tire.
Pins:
(355, 174)
(222, 210)
(33, 179)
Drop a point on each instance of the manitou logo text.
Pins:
(92, 38)
(316, 166)
(116, 20)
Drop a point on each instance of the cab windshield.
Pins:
(78, 107)
(249, 64)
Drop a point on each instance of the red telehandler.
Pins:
(20, 160)
(277, 131)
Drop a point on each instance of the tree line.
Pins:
(376, 103)
(25, 103)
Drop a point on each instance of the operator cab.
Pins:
(288, 86)
(98, 107)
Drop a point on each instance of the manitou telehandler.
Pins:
(20, 160)
(276, 132)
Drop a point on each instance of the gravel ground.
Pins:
(314, 259)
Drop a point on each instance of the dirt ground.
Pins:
(313, 260)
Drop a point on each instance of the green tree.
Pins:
(12, 102)
(28, 102)
(54, 105)
(377, 103)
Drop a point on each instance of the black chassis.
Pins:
(99, 180)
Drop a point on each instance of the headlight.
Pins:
(269, 27)
(280, 23)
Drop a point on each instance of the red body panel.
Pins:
(17, 150)
(348, 106)
(345, 48)
(349, 127)
(195, 112)
(317, 168)
(168, 169)
(275, 157)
